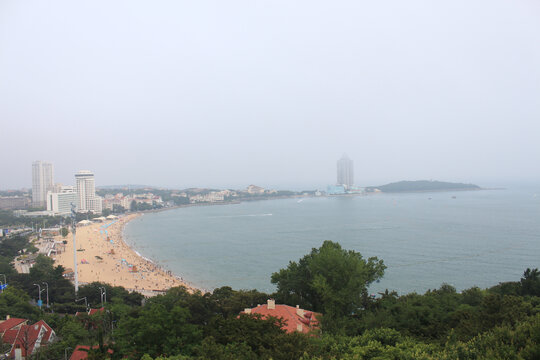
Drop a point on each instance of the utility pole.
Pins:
(65, 352)
(39, 291)
(47, 294)
(85, 302)
(73, 229)
(103, 293)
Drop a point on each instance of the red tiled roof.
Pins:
(11, 323)
(26, 339)
(25, 336)
(91, 311)
(95, 311)
(48, 331)
(80, 354)
(290, 316)
(10, 336)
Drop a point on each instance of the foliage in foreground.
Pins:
(502, 322)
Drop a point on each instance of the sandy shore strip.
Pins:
(102, 255)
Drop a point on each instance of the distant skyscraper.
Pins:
(86, 192)
(42, 181)
(345, 172)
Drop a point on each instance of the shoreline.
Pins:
(103, 255)
(189, 285)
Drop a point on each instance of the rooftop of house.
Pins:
(90, 312)
(80, 354)
(296, 319)
(11, 323)
(18, 334)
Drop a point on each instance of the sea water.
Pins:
(465, 239)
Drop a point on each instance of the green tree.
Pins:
(64, 232)
(530, 282)
(16, 303)
(118, 209)
(330, 279)
(158, 330)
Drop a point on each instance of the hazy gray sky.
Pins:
(228, 93)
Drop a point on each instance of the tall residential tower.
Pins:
(345, 172)
(86, 192)
(42, 181)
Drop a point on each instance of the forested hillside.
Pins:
(422, 185)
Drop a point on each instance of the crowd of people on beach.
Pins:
(107, 258)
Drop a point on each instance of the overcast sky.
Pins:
(229, 93)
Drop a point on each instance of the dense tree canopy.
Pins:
(329, 280)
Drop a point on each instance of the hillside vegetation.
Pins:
(422, 185)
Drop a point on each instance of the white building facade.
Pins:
(42, 182)
(86, 192)
(59, 202)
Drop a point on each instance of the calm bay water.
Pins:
(478, 238)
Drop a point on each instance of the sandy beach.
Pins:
(103, 256)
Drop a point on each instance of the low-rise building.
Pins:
(148, 198)
(59, 202)
(14, 202)
(110, 201)
(23, 339)
(214, 196)
(255, 190)
(295, 319)
(336, 190)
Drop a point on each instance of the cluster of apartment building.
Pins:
(14, 202)
(125, 201)
(217, 196)
(58, 198)
(213, 196)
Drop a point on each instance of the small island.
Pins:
(422, 186)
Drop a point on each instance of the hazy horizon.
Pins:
(227, 94)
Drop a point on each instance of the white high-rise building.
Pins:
(86, 192)
(345, 172)
(42, 181)
(59, 202)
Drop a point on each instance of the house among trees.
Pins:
(81, 352)
(295, 319)
(91, 312)
(255, 190)
(20, 340)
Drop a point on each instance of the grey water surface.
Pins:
(473, 238)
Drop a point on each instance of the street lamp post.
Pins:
(47, 294)
(39, 293)
(65, 352)
(103, 293)
(73, 229)
(85, 301)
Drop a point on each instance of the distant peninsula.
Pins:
(421, 186)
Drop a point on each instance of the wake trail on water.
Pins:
(234, 216)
